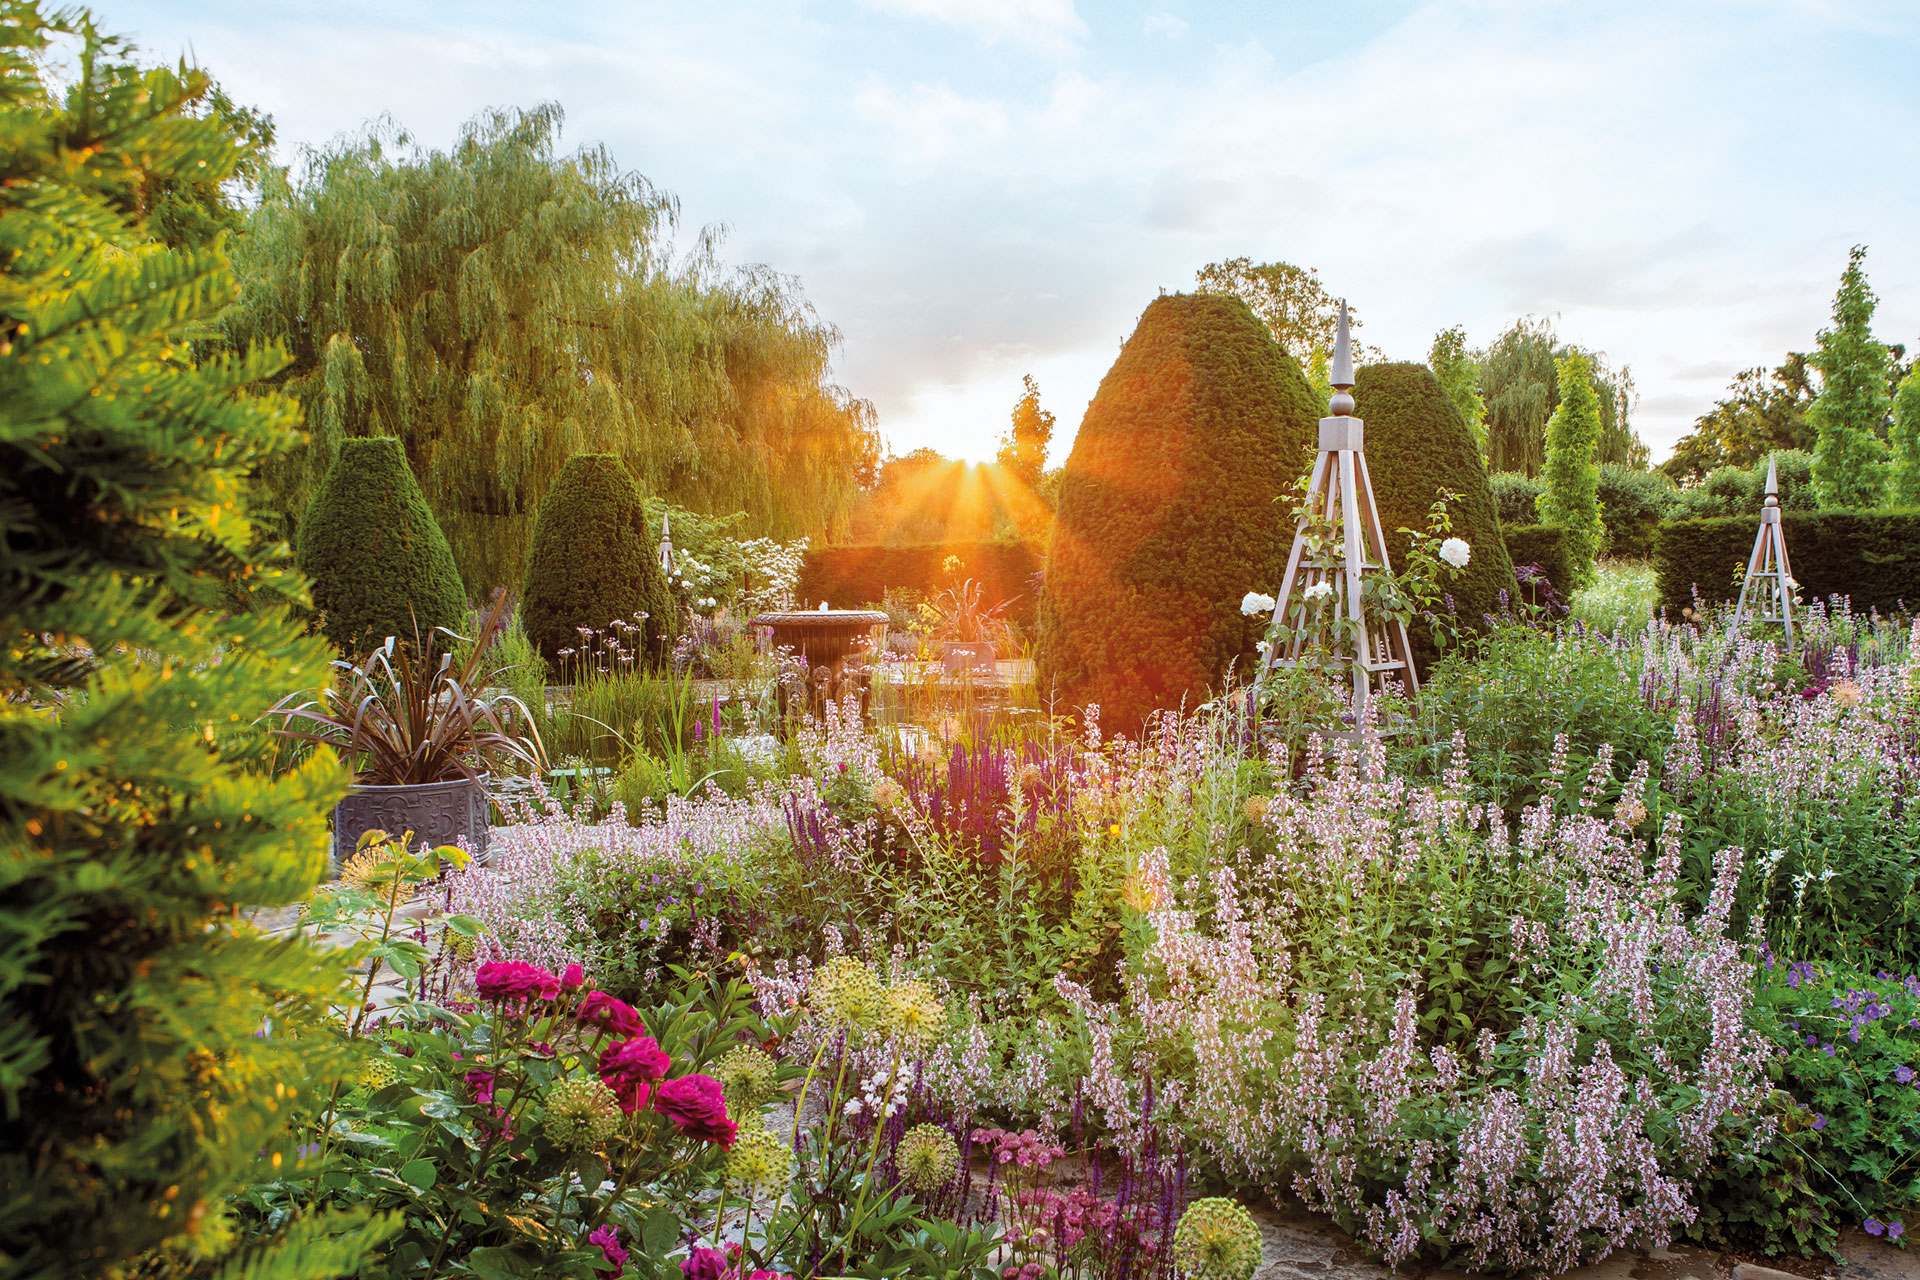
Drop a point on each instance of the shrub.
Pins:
(1516, 497)
(138, 806)
(1545, 547)
(594, 560)
(861, 576)
(1632, 505)
(1733, 491)
(1572, 498)
(1418, 446)
(1870, 557)
(1167, 513)
(376, 557)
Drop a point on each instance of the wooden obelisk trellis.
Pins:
(1767, 593)
(1340, 491)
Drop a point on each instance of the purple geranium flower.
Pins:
(1902, 1074)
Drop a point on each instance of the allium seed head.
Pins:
(1217, 1239)
(580, 1114)
(927, 1157)
(759, 1160)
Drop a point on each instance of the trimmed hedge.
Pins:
(1542, 545)
(1632, 505)
(1168, 511)
(1516, 497)
(1871, 557)
(594, 558)
(1417, 445)
(378, 562)
(857, 576)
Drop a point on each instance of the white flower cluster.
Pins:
(1253, 603)
(1318, 591)
(1456, 552)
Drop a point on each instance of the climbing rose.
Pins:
(705, 1264)
(598, 1009)
(1456, 552)
(696, 1104)
(1253, 602)
(503, 980)
(572, 977)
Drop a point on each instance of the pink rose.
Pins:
(616, 1254)
(572, 977)
(631, 1068)
(598, 1009)
(696, 1105)
(705, 1264)
(504, 980)
(481, 1082)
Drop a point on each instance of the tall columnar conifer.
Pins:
(1572, 497)
(1851, 409)
(1459, 375)
(502, 306)
(139, 808)
(1903, 471)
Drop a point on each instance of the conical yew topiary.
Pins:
(593, 559)
(1417, 446)
(1168, 514)
(378, 562)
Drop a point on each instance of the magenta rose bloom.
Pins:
(572, 977)
(598, 1009)
(504, 980)
(481, 1082)
(705, 1264)
(616, 1254)
(696, 1105)
(631, 1068)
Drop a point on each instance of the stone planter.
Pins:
(436, 812)
(976, 656)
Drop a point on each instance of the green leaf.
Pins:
(494, 1262)
(419, 1174)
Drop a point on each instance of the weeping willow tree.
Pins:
(501, 307)
(1519, 387)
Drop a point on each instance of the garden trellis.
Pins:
(1767, 593)
(1337, 543)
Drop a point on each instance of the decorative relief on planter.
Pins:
(436, 812)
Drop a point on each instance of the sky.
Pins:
(973, 190)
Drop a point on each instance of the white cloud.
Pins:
(930, 122)
(1165, 25)
(1046, 23)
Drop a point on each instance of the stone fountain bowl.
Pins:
(823, 636)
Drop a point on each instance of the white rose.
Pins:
(1318, 591)
(1253, 602)
(1456, 552)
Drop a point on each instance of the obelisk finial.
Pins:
(1341, 405)
(666, 543)
(1773, 484)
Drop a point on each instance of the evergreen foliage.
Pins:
(1870, 557)
(1419, 448)
(501, 307)
(1459, 375)
(138, 805)
(593, 560)
(1168, 511)
(1516, 497)
(1903, 471)
(1762, 413)
(1544, 546)
(377, 560)
(1572, 497)
(1851, 408)
(1632, 505)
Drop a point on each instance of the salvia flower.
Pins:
(580, 1114)
(1217, 1239)
(927, 1157)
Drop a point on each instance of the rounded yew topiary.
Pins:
(1168, 511)
(377, 560)
(593, 559)
(1418, 445)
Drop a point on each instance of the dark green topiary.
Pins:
(1417, 446)
(594, 559)
(1168, 512)
(1516, 497)
(1544, 546)
(1632, 505)
(379, 564)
